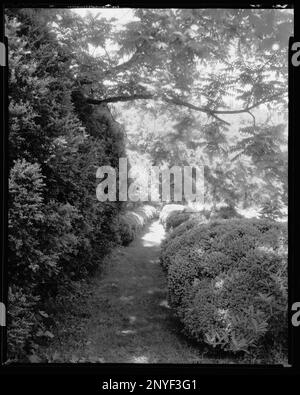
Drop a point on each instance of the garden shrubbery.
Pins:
(173, 215)
(169, 209)
(41, 240)
(227, 279)
(228, 282)
(176, 218)
(225, 212)
(57, 230)
(23, 320)
(132, 222)
(171, 242)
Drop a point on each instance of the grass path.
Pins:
(129, 319)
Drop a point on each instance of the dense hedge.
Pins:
(228, 282)
(132, 222)
(58, 231)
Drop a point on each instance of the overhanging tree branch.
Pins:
(116, 99)
(149, 96)
(252, 106)
(179, 102)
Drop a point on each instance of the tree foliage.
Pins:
(204, 71)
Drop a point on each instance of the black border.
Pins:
(88, 377)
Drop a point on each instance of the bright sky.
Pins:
(123, 15)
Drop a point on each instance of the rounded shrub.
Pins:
(173, 215)
(167, 210)
(227, 282)
(172, 242)
(176, 218)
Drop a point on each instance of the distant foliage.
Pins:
(228, 282)
(225, 212)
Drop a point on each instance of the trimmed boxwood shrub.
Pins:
(173, 215)
(176, 218)
(169, 209)
(172, 242)
(227, 282)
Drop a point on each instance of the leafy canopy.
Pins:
(206, 72)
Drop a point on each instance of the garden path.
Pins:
(129, 319)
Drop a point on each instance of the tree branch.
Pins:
(116, 99)
(182, 103)
(179, 102)
(149, 96)
(253, 117)
(249, 108)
